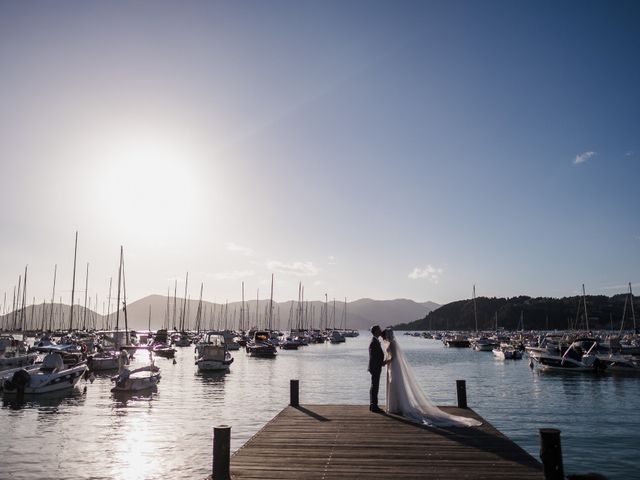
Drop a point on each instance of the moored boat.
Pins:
(261, 346)
(50, 376)
(212, 353)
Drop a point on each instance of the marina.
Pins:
(129, 430)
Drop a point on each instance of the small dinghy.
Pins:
(137, 379)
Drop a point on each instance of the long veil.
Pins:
(405, 397)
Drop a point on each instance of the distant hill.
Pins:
(539, 313)
(361, 314)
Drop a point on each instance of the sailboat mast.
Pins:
(118, 297)
(124, 304)
(586, 315)
(199, 313)
(24, 300)
(184, 303)
(271, 306)
(86, 291)
(334, 313)
(633, 312)
(109, 305)
(241, 310)
(175, 301)
(475, 311)
(73, 285)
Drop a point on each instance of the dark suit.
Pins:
(376, 361)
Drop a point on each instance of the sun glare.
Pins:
(151, 183)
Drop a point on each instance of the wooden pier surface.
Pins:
(350, 442)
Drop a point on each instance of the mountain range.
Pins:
(162, 312)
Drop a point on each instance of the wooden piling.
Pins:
(221, 452)
(294, 393)
(461, 387)
(551, 454)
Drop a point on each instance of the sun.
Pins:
(150, 182)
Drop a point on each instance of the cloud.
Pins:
(233, 247)
(301, 269)
(630, 153)
(331, 260)
(233, 275)
(583, 157)
(429, 272)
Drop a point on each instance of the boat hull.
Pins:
(46, 382)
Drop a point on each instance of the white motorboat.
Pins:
(213, 354)
(137, 379)
(507, 352)
(483, 344)
(580, 356)
(50, 376)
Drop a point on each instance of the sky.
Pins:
(366, 149)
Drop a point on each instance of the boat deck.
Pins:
(350, 442)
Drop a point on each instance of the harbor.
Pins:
(128, 430)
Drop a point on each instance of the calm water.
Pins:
(95, 435)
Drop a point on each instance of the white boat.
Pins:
(580, 356)
(50, 376)
(136, 380)
(213, 354)
(483, 344)
(507, 352)
(107, 360)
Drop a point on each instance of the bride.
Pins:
(406, 398)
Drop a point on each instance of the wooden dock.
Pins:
(350, 442)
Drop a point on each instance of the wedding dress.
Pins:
(406, 398)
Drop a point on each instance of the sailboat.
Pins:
(140, 378)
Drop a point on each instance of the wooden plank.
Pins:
(349, 442)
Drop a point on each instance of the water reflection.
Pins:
(122, 399)
(49, 403)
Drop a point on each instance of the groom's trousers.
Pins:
(375, 387)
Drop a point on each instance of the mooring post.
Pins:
(461, 387)
(221, 452)
(294, 393)
(551, 454)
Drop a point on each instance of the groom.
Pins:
(376, 361)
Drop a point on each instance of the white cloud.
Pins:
(630, 153)
(429, 272)
(301, 269)
(233, 247)
(583, 157)
(233, 275)
(331, 260)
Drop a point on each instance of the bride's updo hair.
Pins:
(388, 334)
